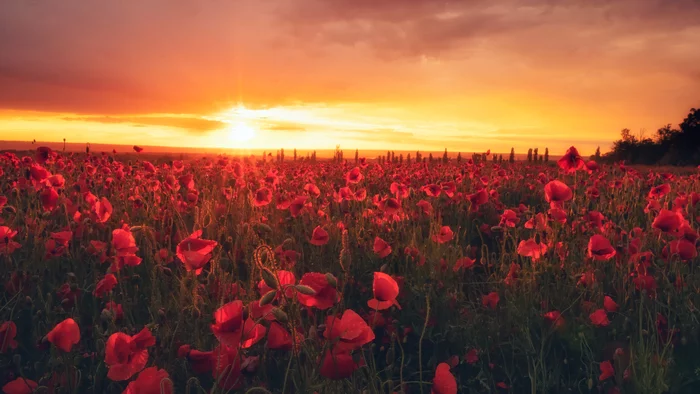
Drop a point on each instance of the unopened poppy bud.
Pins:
(161, 314)
(71, 276)
(280, 315)
(590, 384)
(270, 279)
(28, 301)
(306, 290)
(106, 315)
(331, 280)
(268, 297)
(73, 287)
(262, 229)
(497, 229)
(383, 268)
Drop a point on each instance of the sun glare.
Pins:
(241, 132)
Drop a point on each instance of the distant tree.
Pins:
(295, 154)
(500, 158)
(357, 156)
(388, 156)
(430, 158)
(511, 159)
(313, 157)
(282, 155)
(459, 157)
(278, 156)
(546, 155)
(597, 154)
(64, 144)
(535, 155)
(495, 158)
(408, 159)
(401, 159)
(529, 155)
(87, 148)
(444, 157)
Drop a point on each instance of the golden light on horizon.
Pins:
(240, 131)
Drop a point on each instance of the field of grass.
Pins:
(219, 275)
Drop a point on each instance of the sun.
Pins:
(241, 132)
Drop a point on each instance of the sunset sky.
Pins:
(380, 74)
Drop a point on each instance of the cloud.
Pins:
(191, 124)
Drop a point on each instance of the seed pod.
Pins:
(306, 290)
(280, 315)
(268, 297)
(270, 279)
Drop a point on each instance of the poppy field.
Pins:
(132, 274)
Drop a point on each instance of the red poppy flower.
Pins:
(464, 262)
(350, 332)
(390, 206)
(263, 196)
(20, 386)
(556, 192)
(657, 192)
(102, 210)
(385, 291)
(228, 323)
(445, 235)
(43, 154)
(444, 382)
(201, 362)
(195, 252)
(599, 248)
(64, 335)
(381, 248)
(425, 206)
(116, 310)
(105, 285)
(337, 365)
(599, 318)
(326, 295)
(571, 161)
(606, 371)
(296, 205)
(286, 280)
(530, 248)
(610, 305)
(49, 198)
(354, 176)
(509, 219)
(668, 221)
(555, 318)
(126, 355)
(682, 248)
(7, 245)
(472, 356)
(8, 331)
(151, 381)
(479, 198)
(319, 236)
(491, 300)
(123, 241)
(278, 338)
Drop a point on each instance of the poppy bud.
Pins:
(106, 315)
(71, 276)
(306, 290)
(28, 301)
(10, 209)
(383, 268)
(280, 315)
(268, 297)
(73, 287)
(590, 384)
(270, 279)
(161, 314)
(17, 359)
(331, 280)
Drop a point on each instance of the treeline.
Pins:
(669, 146)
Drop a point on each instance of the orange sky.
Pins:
(398, 74)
